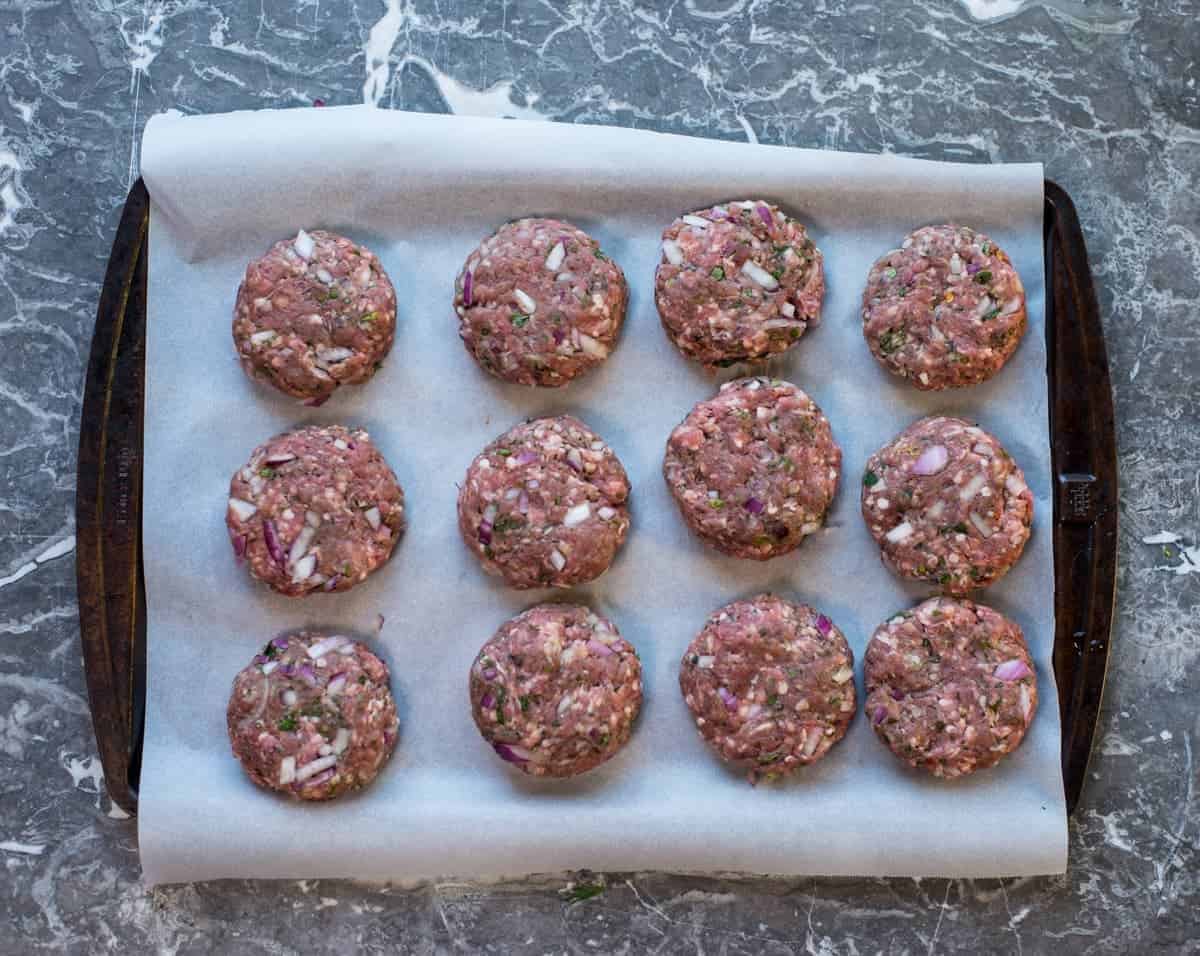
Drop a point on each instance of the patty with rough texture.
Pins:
(556, 691)
(754, 469)
(538, 303)
(312, 716)
(947, 504)
(545, 504)
(315, 509)
(945, 309)
(770, 685)
(951, 687)
(737, 282)
(317, 311)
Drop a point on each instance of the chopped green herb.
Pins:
(312, 710)
(959, 528)
(777, 274)
(870, 479)
(333, 293)
(507, 523)
(362, 678)
(716, 504)
(945, 577)
(503, 452)
(518, 319)
(991, 314)
(985, 247)
(762, 541)
(694, 659)
(524, 700)
(774, 702)
(369, 317)
(983, 277)
(598, 254)
(770, 757)
(270, 650)
(581, 891)
(717, 273)
(889, 273)
(891, 340)
(501, 696)
(485, 331)
(267, 472)
(933, 656)
(287, 722)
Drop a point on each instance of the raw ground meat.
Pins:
(556, 691)
(316, 509)
(947, 504)
(951, 687)
(317, 311)
(754, 469)
(545, 504)
(312, 716)
(945, 309)
(770, 685)
(737, 282)
(538, 303)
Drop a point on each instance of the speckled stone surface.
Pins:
(1106, 95)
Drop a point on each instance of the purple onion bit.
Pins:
(308, 675)
(526, 456)
(972, 268)
(490, 674)
(280, 642)
(485, 532)
(765, 215)
(319, 778)
(824, 625)
(728, 699)
(467, 283)
(1012, 670)
(896, 694)
(879, 716)
(599, 648)
(559, 335)
(316, 402)
(487, 701)
(271, 538)
(754, 506)
(332, 583)
(239, 548)
(513, 753)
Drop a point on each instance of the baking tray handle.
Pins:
(108, 508)
(1084, 461)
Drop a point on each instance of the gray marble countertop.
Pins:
(1105, 94)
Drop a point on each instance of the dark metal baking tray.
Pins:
(108, 505)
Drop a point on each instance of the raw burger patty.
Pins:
(753, 469)
(538, 303)
(316, 509)
(945, 309)
(312, 716)
(737, 282)
(315, 312)
(770, 684)
(947, 505)
(545, 504)
(556, 690)
(950, 686)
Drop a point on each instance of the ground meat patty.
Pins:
(945, 309)
(545, 504)
(312, 716)
(316, 509)
(556, 690)
(315, 312)
(947, 504)
(770, 684)
(538, 303)
(737, 282)
(753, 469)
(950, 686)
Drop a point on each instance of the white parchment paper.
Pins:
(421, 191)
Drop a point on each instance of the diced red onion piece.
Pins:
(314, 767)
(523, 502)
(593, 347)
(1026, 702)
(812, 739)
(559, 335)
(316, 402)
(932, 460)
(303, 244)
(487, 701)
(606, 513)
(759, 275)
(575, 459)
(271, 539)
(323, 777)
(326, 644)
(557, 560)
(972, 488)
(468, 278)
(513, 753)
(900, 532)
(332, 583)
(879, 716)
(754, 506)
(490, 674)
(485, 532)
(337, 683)
(300, 545)
(489, 513)
(526, 456)
(1011, 305)
(341, 740)
(289, 698)
(897, 694)
(824, 625)
(287, 771)
(765, 215)
(556, 256)
(1012, 670)
(599, 648)
(373, 517)
(279, 458)
(727, 698)
(307, 674)
(239, 547)
(1014, 485)
(972, 268)
(280, 642)
(304, 568)
(788, 309)
(577, 515)
(258, 338)
(244, 510)
(269, 666)
(526, 303)
(672, 251)
(981, 524)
